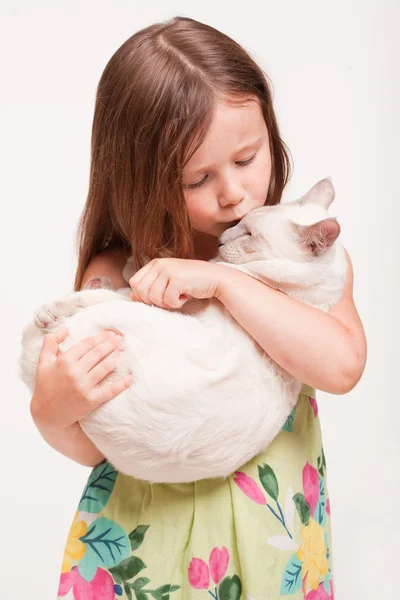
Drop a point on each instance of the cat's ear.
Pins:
(322, 194)
(317, 238)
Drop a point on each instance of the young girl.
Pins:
(185, 142)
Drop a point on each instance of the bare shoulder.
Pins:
(346, 312)
(108, 263)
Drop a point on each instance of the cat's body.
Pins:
(205, 397)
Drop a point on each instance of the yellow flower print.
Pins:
(312, 553)
(75, 549)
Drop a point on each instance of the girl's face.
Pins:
(229, 174)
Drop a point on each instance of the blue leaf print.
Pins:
(98, 488)
(291, 580)
(106, 545)
(320, 509)
(328, 576)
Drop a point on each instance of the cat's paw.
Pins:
(99, 282)
(48, 315)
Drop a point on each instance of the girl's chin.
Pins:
(213, 233)
(206, 235)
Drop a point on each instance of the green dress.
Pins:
(263, 533)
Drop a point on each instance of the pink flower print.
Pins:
(249, 487)
(320, 593)
(311, 486)
(100, 588)
(328, 507)
(199, 575)
(304, 583)
(314, 404)
(219, 560)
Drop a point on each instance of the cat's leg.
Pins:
(48, 315)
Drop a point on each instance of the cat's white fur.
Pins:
(205, 397)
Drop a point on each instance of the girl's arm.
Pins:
(73, 443)
(326, 350)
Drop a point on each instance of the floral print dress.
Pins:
(261, 534)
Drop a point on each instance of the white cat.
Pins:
(205, 397)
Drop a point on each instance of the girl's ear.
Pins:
(318, 237)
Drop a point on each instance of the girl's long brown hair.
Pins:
(155, 103)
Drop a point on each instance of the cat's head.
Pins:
(285, 237)
(301, 230)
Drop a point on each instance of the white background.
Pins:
(334, 68)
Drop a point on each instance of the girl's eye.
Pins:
(242, 163)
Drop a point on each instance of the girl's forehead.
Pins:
(232, 130)
(235, 121)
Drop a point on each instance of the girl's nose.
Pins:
(230, 190)
(231, 196)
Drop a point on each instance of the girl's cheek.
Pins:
(196, 219)
(261, 184)
(199, 212)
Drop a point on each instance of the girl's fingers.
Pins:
(101, 370)
(143, 285)
(98, 353)
(172, 296)
(50, 347)
(137, 277)
(104, 393)
(79, 349)
(157, 290)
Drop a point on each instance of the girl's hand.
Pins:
(68, 384)
(168, 282)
